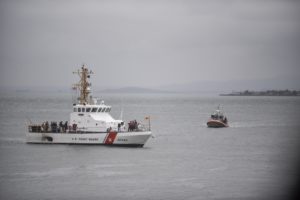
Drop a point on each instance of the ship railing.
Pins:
(39, 128)
(139, 128)
(35, 128)
(143, 127)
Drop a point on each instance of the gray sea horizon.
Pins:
(257, 157)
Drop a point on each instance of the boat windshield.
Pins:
(217, 115)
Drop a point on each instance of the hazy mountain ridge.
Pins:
(213, 87)
(133, 90)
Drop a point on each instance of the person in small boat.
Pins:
(225, 120)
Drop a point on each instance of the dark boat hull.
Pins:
(216, 124)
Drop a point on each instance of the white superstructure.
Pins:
(95, 118)
(90, 123)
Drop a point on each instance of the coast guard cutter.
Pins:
(90, 123)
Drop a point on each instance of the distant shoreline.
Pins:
(265, 93)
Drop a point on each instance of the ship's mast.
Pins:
(83, 84)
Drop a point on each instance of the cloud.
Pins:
(148, 43)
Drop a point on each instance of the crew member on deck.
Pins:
(66, 126)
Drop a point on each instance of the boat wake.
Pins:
(38, 174)
(258, 124)
(93, 170)
(12, 141)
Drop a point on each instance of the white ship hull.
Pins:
(134, 139)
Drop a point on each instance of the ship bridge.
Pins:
(91, 108)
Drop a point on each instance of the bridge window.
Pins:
(99, 110)
(83, 109)
(94, 110)
(74, 109)
(88, 109)
(79, 109)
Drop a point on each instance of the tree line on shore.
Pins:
(265, 93)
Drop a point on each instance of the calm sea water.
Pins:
(255, 158)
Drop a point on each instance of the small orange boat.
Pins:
(217, 119)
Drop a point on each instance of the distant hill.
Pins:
(133, 90)
(219, 86)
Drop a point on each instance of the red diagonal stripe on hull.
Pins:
(110, 138)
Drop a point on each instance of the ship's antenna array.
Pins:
(83, 85)
(122, 109)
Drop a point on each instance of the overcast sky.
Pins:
(149, 43)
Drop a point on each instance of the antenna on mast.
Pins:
(83, 85)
